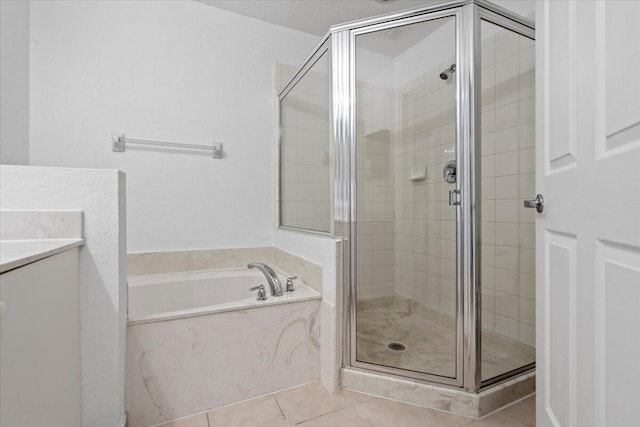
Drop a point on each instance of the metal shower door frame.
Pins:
(344, 39)
(496, 15)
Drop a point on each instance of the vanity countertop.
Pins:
(17, 253)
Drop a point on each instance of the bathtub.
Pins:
(156, 297)
(200, 340)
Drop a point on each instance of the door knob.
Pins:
(537, 203)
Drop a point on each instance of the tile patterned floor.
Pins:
(311, 405)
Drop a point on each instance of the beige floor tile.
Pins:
(499, 419)
(530, 401)
(312, 406)
(385, 413)
(524, 412)
(347, 417)
(259, 412)
(312, 400)
(199, 420)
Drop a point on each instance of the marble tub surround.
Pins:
(167, 296)
(306, 271)
(27, 236)
(324, 251)
(452, 400)
(190, 365)
(311, 406)
(330, 348)
(215, 259)
(206, 259)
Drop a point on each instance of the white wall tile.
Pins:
(507, 140)
(507, 92)
(527, 334)
(527, 311)
(508, 234)
(506, 117)
(507, 210)
(507, 69)
(507, 187)
(507, 281)
(507, 258)
(506, 326)
(507, 163)
(506, 305)
(527, 285)
(507, 45)
(508, 230)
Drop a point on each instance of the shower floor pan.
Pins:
(428, 338)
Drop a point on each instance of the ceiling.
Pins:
(317, 16)
(313, 16)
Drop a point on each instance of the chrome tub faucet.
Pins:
(272, 278)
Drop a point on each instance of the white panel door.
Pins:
(588, 236)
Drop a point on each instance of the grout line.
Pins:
(279, 407)
(334, 411)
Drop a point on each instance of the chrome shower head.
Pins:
(446, 73)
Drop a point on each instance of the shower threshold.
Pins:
(439, 397)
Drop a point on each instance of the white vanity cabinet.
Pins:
(40, 343)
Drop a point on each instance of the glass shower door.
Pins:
(406, 292)
(507, 230)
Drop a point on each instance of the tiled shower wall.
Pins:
(376, 191)
(305, 183)
(508, 166)
(425, 226)
(423, 235)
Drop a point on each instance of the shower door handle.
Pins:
(537, 203)
(453, 197)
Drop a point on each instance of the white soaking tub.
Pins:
(155, 297)
(200, 340)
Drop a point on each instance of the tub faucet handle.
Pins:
(290, 283)
(262, 293)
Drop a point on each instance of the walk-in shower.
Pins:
(410, 136)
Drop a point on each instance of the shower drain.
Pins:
(396, 346)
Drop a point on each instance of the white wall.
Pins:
(437, 47)
(100, 195)
(172, 71)
(14, 82)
